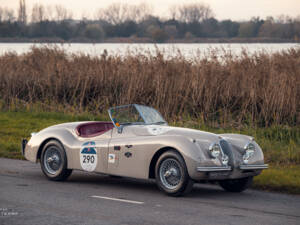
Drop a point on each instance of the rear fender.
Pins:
(36, 143)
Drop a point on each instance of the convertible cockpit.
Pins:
(93, 129)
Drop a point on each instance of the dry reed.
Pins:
(259, 89)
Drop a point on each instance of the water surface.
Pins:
(169, 50)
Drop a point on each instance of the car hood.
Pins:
(204, 137)
(156, 130)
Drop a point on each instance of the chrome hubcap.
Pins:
(52, 160)
(170, 174)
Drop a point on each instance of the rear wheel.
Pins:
(54, 161)
(171, 174)
(236, 185)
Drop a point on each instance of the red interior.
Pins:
(92, 129)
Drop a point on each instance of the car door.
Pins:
(93, 153)
(126, 155)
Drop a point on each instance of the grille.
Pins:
(227, 150)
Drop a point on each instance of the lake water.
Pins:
(169, 50)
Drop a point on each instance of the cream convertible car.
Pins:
(139, 143)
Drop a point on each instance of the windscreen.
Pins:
(150, 115)
(135, 114)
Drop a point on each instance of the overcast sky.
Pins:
(223, 9)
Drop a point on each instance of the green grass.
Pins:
(281, 145)
(280, 179)
(14, 126)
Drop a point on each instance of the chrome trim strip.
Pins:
(254, 167)
(212, 169)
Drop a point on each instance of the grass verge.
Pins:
(281, 145)
(285, 179)
(14, 126)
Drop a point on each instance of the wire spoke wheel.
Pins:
(52, 160)
(170, 173)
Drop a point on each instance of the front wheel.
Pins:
(171, 174)
(54, 162)
(236, 185)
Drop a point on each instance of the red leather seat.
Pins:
(92, 129)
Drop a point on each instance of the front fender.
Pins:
(190, 150)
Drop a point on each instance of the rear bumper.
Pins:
(23, 146)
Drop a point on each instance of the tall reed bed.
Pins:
(259, 90)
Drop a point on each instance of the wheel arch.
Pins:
(40, 149)
(156, 156)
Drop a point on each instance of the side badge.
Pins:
(128, 154)
(117, 148)
(111, 158)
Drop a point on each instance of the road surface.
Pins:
(27, 197)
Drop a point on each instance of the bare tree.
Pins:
(189, 13)
(139, 12)
(85, 16)
(38, 13)
(8, 15)
(114, 13)
(119, 13)
(61, 13)
(1, 14)
(49, 12)
(283, 19)
(22, 16)
(173, 10)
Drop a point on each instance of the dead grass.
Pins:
(259, 89)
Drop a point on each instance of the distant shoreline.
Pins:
(135, 40)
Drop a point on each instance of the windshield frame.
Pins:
(137, 107)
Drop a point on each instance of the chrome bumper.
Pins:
(254, 167)
(228, 168)
(215, 168)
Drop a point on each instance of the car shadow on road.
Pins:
(113, 182)
(140, 185)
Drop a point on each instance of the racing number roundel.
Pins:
(88, 156)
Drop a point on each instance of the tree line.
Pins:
(188, 22)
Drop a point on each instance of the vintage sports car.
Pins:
(139, 143)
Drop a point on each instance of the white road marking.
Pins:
(117, 199)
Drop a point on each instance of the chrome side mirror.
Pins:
(120, 129)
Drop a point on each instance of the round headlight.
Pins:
(214, 150)
(250, 146)
(249, 152)
(225, 159)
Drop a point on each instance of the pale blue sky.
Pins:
(224, 9)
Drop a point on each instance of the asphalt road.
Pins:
(27, 197)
